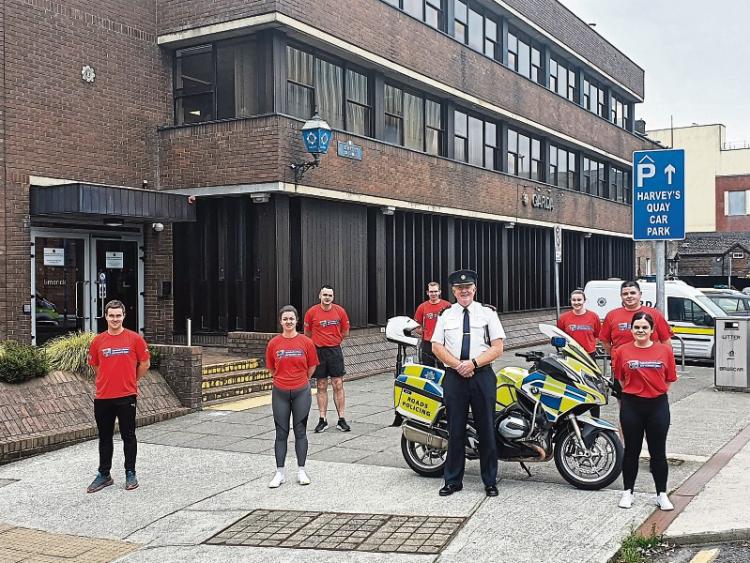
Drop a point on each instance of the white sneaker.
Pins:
(302, 477)
(277, 480)
(626, 501)
(663, 502)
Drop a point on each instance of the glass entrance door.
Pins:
(61, 287)
(74, 273)
(116, 276)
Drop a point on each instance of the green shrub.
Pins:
(155, 357)
(70, 352)
(20, 362)
(637, 548)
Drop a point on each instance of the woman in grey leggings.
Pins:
(292, 358)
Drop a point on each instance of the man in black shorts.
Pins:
(328, 324)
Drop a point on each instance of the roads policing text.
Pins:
(658, 207)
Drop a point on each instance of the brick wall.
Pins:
(158, 264)
(216, 154)
(550, 15)
(180, 366)
(55, 124)
(58, 410)
(249, 344)
(730, 184)
(457, 65)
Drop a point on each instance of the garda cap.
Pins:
(462, 277)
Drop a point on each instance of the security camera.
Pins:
(157, 227)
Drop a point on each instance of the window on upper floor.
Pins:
(340, 94)
(594, 177)
(620, 112)
(413, 121)
(619, 185)
(594, 98)
(562, 168)
(217, 81)
(524, 155)
(563, 80)
(524, 56)
(735, 203)
(475, 140)
(475, 28)
(432, 12)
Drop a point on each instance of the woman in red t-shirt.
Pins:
(582, 325)
(645, 370)
(292, 358)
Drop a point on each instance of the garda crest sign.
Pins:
(659, 195)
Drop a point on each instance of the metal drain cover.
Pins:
(341, 531)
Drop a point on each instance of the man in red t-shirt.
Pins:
(427, 315)
(120, 358)
(616, 329)
(328, 324)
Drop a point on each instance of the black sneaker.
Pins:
(343, 426)
(321, 427)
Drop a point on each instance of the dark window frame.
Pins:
(423, 98)
(571, 167)
(493, 149)
(345, 100)
(179, 94)
(518, 158)
(513, 56)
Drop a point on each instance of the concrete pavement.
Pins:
(202, 473)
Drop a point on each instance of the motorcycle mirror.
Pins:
(558, 341)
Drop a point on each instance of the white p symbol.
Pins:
(644, 170)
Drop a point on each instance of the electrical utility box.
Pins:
(732, 354)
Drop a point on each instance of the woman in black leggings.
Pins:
(292, 358)
(645, 369)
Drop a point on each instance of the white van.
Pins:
(689, 312)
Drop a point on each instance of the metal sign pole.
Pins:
(558, 259)
(660, 248)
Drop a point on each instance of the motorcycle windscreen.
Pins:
(572, 348)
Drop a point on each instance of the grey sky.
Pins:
(696, 56)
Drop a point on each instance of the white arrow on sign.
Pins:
(669, 170)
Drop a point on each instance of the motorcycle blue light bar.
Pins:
(558, 341)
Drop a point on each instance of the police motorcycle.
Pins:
(540, 413)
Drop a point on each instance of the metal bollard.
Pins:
(189, 331)
(682, 353)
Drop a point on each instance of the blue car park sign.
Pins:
(659, 194)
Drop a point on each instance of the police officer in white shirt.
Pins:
(468, 337)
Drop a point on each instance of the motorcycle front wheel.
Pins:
(427, 461)
(590, 470)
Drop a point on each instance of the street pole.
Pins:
(729, 277)
(660, 249)
(558, 259)
(557, 288)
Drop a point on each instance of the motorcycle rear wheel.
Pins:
(594, 472)
(424, 460)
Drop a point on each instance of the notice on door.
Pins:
(114, 260)
(54, 257)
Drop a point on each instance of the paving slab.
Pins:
(723, 505)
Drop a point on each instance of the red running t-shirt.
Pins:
(616, 326)
(427, 315)
(290, 359)
(584, 328)
(644, 371)
(117, 356)
(326, 327)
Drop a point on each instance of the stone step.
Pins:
(235, 378)
(230, 366)
(237, 391)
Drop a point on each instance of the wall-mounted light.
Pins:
(388, 210)
(113, 222)
(510, 225)
(260, 197)
(316, 134)
(587, 235)
(157, 227)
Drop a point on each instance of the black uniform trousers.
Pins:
(479, 391)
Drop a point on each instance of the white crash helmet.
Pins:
(399, 330)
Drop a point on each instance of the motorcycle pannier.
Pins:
(417, 398)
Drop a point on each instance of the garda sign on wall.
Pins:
(659, 195)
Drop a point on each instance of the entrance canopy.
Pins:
(92, 201)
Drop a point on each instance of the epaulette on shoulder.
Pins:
(492, 307)
(443, 311)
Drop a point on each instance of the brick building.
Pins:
(147, 149)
